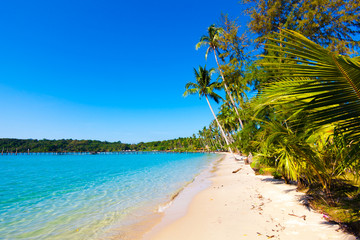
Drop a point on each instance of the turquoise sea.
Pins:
(88, 196)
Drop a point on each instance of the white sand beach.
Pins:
(243, 206)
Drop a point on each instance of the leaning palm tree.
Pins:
(204, 87)
(211, 40)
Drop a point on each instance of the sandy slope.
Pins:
(244, 206)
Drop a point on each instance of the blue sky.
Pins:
(105, 70)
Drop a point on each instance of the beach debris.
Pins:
(272, 236)
(326, 217)
(235, 171)
(282, 228)
(294, 215)
(259, 234)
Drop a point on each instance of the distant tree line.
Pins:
(10, 145)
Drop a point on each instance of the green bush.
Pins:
(255, 165)
(276, 175)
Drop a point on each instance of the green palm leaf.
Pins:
(325, 84)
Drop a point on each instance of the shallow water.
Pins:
(85, 196)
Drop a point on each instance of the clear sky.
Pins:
(104, 70)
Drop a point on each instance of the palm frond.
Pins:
(196, 73)
(203, 42)
(215, 97)
(190, 91)
(211, 71)
(191, 85)
(215, 86)
(327, 85)
(207, 52)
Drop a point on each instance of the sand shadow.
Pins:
(290, 190)
(273, 180)
(304, 200)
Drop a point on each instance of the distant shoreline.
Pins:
(102, 153)
(13, 145)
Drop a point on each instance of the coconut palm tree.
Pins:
(211, 40)
(205, 88)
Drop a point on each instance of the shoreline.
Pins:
(181, 200)
(153, 216)
(243, 206)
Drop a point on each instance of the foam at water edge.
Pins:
(163, 207)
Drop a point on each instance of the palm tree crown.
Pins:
(203, 84)
(210, 40)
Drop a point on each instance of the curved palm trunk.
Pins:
(227, 90)
(217, 121)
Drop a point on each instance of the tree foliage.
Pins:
(333, 24)
(8, 146)
(327, 85)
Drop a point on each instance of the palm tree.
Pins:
(212, 42)
(204, 87)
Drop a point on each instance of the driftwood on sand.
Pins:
(235, 171)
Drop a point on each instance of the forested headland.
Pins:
(12, 146)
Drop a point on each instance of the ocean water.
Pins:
(88, 196)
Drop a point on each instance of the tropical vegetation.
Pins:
(292, 97)
(13, 146)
